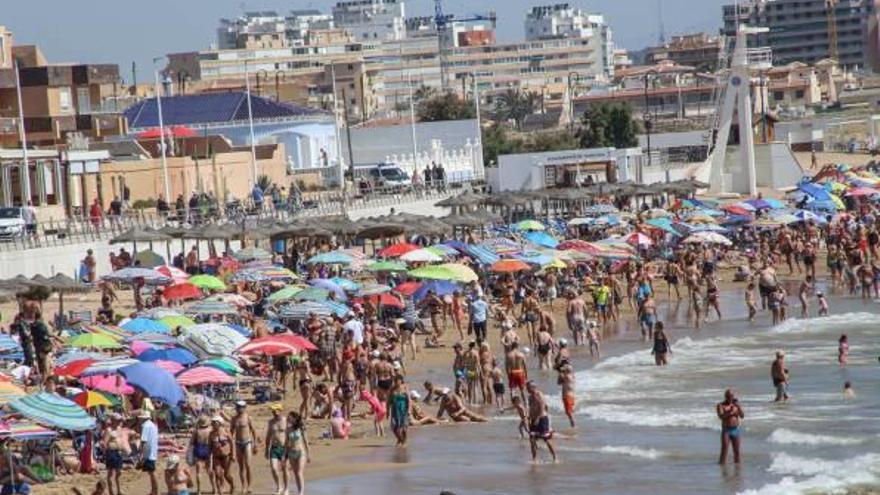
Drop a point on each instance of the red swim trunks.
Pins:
(568, 401)
(516, 379)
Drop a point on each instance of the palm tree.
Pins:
(516, 105)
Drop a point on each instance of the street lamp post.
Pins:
(477, 110)
(648, 125)
(162, 133)
(247, 86)
(571, 80)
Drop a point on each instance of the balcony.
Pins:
(760, 58)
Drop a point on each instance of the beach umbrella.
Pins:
(264, 274)
(707, 238)
(175, 274)
(154, 382)
(224, 364)
(177, 321)
(657, 213)
(274, 348)
(862, 191)
(108, 366)
(439, 287)
(765, 222)
(331, 258)
(315, 294)
(407, 288)
(527, 225)
(211, 339)
(10, 392)
(432, 272)
(176, 354)
(138, 347)
(326, 284)
(207, 282)
(130, 274)
(386, 266)
(295, 340)
(347, 284)
(737, 210)
(148, 259)
(211, 308)
(639, 239)
(112, 384)
(160, 312)
(73, 368)
(89, 399)
(285, 294)
(144, 325)
(373, 289)
(54, 411)
(182, 291)
(386, 299)
(421, 256)
(541, 239)
(169, 366)
(509, 266)
(112, 331)
(809, 216)
(236, 300)
(301, 311)
(203, 375)
(395, 250)
(93, 340)
(460, 272)
(252, 253)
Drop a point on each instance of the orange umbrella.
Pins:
(89, 399)
(510, 266)
(182, 291)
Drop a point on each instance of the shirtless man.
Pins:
(517, 373)
(177, 476)
(348, 385)
(779, 375)
(530, 310)
(201, 447)
(473, 373)
(508, 335)
(593, 337)
(539, 422)
(576, 313)
(487, 364)
(116, 447)
(731, 414)
(804, 292)
(275, 444)
(750, 301)
(245, 435)
(222, 456)
(566, 381)
(544, 348)
(453, 405)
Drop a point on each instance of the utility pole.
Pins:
(24, 171)
(347, 135)
(247, 85)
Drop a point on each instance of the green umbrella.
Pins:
(386, 266)
(177, 321)
(225, 365)
(208, 282)
(148, 259)
(315, 294)
(433, 272)
(95, 340)
(285, 294)
(530, 225)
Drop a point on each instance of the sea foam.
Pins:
(784, 436)
(819, 475)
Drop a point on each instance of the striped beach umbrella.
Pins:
(203, 375)
(54, 411)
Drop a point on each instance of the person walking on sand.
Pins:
(177, 476)
(731, 415)
(566, 381)
(201, 449)
(245, 436)
(296, 452)
(275, 444)
(539, 422)
(222, 456)
(779, 374)
(149, 449)
(399, 411)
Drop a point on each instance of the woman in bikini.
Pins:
(296, 450)
(459, 316)
(221, 455)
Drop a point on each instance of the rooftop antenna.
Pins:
(660, 19)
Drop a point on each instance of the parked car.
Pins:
(12, 224)
(389, 176)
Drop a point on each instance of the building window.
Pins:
(799, 94)
(64, 99)
(778, 95)
(83, 101)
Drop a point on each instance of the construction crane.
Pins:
(442, 22)
(831, 9)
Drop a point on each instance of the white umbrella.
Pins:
(707, 238)
(421, 255)
(132, 273)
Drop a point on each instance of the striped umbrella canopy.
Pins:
(108, 366)
(112, 331)
(331, 258)
(203, 375)
(211, 308)
(54, 411)
(169, 366)
(153, 338)
(8, 344)
(264, 274)
(207, 282)
(89, 399)
(211, 340)
(301, 311)
(25, 430)
(10, 392)
(159, 313)
(151, 277)
(138, 326)
(181, 292)
(177, 321)
(175, 274)
(314, 294)
(285, 294)
(236, 300)
(93, 340)
(113, 384)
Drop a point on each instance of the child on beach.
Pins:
(379, 411)
(750, 301)
(593, 337)
(498, 385)
(823, 304)
(517, 405)
(848, 392)
(842, 350)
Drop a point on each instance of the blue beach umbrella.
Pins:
(440, 288)
(154, 382)
(145, 325)
(176, 354)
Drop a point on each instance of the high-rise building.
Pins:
(799, 29)
(558, 21)
(698, 50)
(371, 20)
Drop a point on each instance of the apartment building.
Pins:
(372, 20)
(269, 29)
(562, 21)
(799, 29)
(698, 50)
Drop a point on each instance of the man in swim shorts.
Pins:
(731, 414)
(517, 374)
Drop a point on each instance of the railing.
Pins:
(80, 229)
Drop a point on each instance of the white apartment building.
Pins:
(372, 20)
(564, 21)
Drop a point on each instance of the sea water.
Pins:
(644, 429)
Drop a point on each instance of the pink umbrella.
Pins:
(113, 384)
(862, 191)
(639, 239)
(175, 274)
(170, 366)
(203, 375)
(139, 346)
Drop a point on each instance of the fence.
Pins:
(78, 229)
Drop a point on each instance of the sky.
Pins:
(126, 31)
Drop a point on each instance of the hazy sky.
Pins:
(123, 31)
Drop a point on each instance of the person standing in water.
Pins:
(731, 415)
(566, 381)
(779, 374)
(539, 421)
(842, 350)
(750, 301)
(806, 288)
(661, 348)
